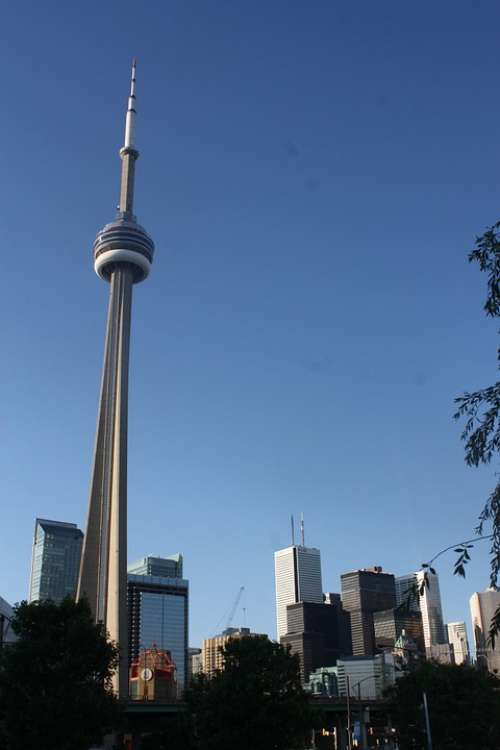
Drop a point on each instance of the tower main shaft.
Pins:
(123, 252)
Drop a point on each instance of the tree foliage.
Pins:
(464, 708)
(55, 680)
(481, 408)
(255, 703)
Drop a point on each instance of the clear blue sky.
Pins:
(313, 174)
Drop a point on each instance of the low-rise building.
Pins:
(362, 676)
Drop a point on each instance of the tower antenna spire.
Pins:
(129, 153)
(302, 538)
(293, 530)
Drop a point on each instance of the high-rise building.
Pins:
(428, 602)
(364, 592)
(483, 606)
(390, 624)
(457, 638)
(318, 633)
(297, 571)
(212, 657)
(158, 616)
(55, 560)
(123, 253)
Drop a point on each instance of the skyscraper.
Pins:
(483, 606)
(297, 571)
(428, 603)
(55, 560)
(318, 633)
(123, 253)
(390, 624)
(364, 592)
(457, 637)
(158, 605)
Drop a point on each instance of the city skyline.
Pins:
(296, 365)
(158, 577)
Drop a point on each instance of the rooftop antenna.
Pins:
(302, 529)
(293, 531)
(129, 154)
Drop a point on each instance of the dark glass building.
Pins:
(390, 624)
(364, 592)
(318, 633)
(57, 548)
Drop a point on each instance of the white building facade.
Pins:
(483, 606)
(297, 572)
(457, 638)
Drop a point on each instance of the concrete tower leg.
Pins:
(103, 573)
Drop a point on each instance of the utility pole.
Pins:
(427, 722)
(349, 733)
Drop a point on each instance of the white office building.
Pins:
(483, 606)
(457, 638)
(297, 573)
(428, 603)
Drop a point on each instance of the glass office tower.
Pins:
(428, 603)
(158, 614)
(57, 548)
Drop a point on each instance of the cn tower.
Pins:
(123, 253)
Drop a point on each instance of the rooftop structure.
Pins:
(170, 567)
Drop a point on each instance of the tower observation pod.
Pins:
(123, 253)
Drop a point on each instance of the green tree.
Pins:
(55, 680)
(464, 708)
(481, 408)
(255, 703)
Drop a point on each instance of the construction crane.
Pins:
(234, 607)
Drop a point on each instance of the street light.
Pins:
(356, 684)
